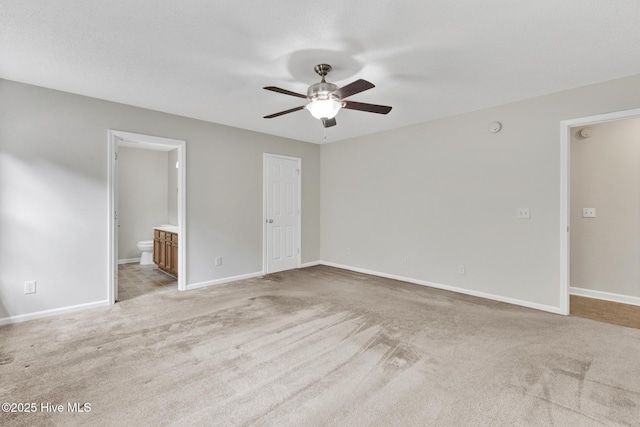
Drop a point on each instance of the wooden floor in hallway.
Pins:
(606, 311)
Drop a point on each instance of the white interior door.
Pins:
(282, 213)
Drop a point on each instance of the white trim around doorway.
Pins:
(565, 196)
(145, 141)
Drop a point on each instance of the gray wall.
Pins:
(442, 193)
(54, 195)
(143, 183)
(445, 193)
(605, 174)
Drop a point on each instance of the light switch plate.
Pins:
(588, 212)
(523, 213)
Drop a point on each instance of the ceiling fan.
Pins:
(326, 99)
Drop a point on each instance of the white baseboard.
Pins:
(128, 260)
(551, 309)
(607, 296)
(240, 277)
(224, 280)
(52, 312)
(528, 304)
(310, 264)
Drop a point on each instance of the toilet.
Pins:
(146, 249)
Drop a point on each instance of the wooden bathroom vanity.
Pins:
(165, 249)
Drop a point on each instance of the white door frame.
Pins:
(265, 188)
(565, 195)
(145, 141)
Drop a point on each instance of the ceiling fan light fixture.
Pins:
(324, 108)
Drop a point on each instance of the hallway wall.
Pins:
(605, 175)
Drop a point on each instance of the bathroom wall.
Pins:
(172, 190)
(143, 178)
(605, 175)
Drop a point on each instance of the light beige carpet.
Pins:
(321, 346)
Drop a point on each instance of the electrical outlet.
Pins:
(30, 287)
(461, 269)
(347, 251)
(588, 212)
(523, 213)
(406, 260)
(218, 261)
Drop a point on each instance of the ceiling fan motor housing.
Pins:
(321, 91)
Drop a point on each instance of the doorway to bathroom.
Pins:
(147, 215)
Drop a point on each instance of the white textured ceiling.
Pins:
(209, 59)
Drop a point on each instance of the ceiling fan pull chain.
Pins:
(324, 134)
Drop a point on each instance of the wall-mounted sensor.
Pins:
(586, 132)
(495, 127)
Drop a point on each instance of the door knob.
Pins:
(270, 221)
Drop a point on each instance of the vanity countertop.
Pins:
(167, 228)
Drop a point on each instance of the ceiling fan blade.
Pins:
(328, 122)
(271, 116)
(286, 92)
(353, 88)
(370, 108)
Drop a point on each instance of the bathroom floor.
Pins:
(135, 280)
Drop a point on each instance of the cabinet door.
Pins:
(156, 250)
(167, 252)
(174, 258)
(162, 259)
